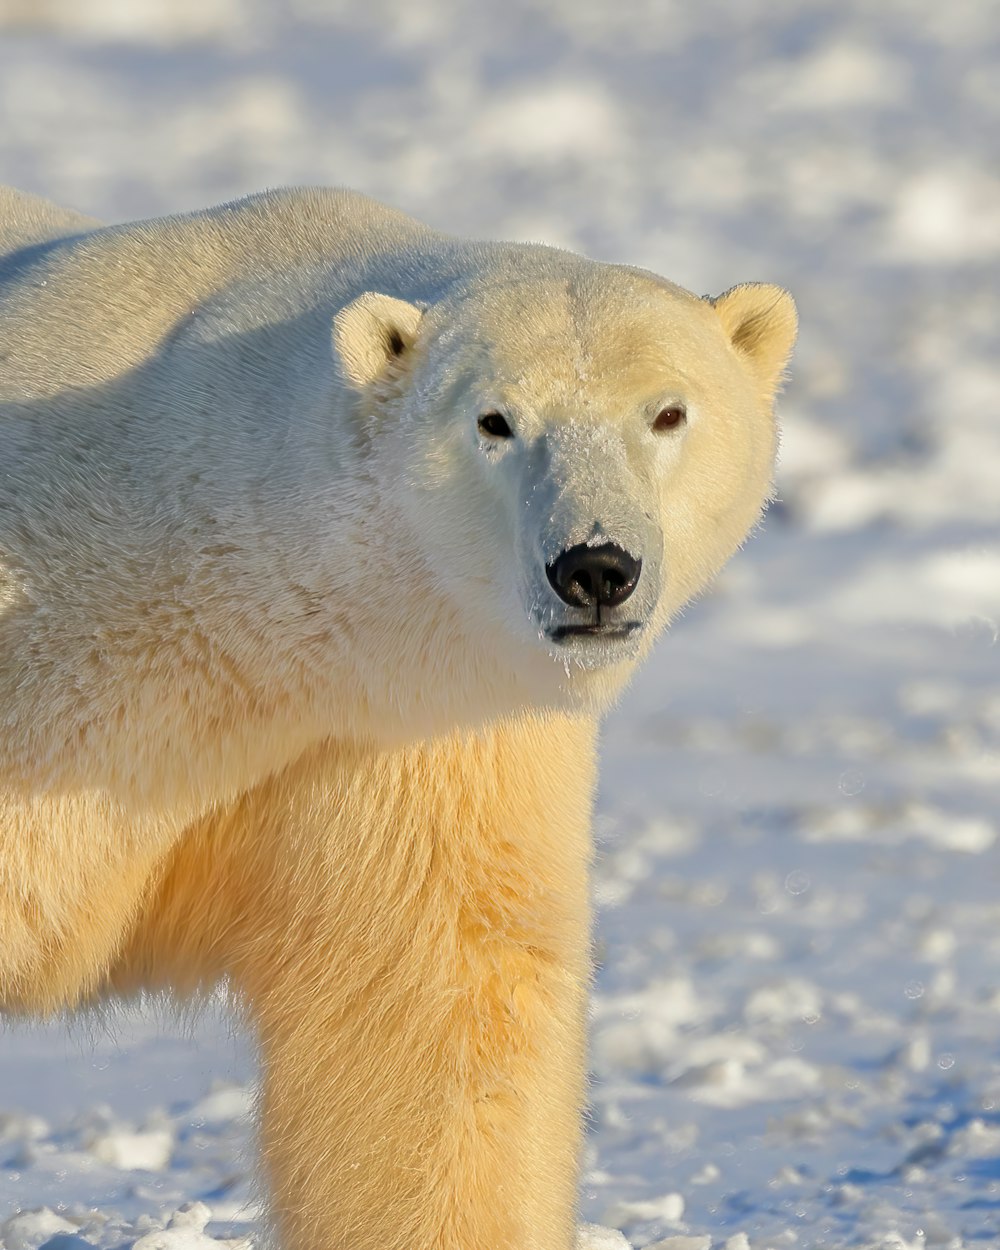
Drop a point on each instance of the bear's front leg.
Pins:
(440, 1108)
(417, 973)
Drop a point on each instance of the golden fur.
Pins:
(411, 929)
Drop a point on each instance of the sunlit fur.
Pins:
(277, 702)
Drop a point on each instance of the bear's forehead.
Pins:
(580, 343)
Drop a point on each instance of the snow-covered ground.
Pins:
(796, 1032)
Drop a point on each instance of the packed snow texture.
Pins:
(797, 1010)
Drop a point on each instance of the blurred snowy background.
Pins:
(797, 1021)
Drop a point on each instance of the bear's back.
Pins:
(27, 220)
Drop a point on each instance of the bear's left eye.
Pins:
(670, 418)
(494, 425)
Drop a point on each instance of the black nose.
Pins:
(587, 576)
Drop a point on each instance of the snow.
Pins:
(797, 1002)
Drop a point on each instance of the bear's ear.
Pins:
(761, 323)
(370, 333)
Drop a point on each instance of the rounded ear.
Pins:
(371, 333)
(761, 323)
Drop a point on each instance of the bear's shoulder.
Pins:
(81, 302)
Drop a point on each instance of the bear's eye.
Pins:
(670, 418)
(494, 425)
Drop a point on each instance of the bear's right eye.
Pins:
(670, 418)
(494, 425)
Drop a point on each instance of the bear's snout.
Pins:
(587, 577)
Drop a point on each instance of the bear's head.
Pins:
(574, 449)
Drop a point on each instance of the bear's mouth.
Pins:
(562, 633)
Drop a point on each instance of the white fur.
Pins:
(286, 692)
(176, 426)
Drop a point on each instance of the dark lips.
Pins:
(562, 632)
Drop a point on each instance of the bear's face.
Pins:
(573, 458)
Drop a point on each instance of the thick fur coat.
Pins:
(325, 540)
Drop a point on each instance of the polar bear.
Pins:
(325, 540)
